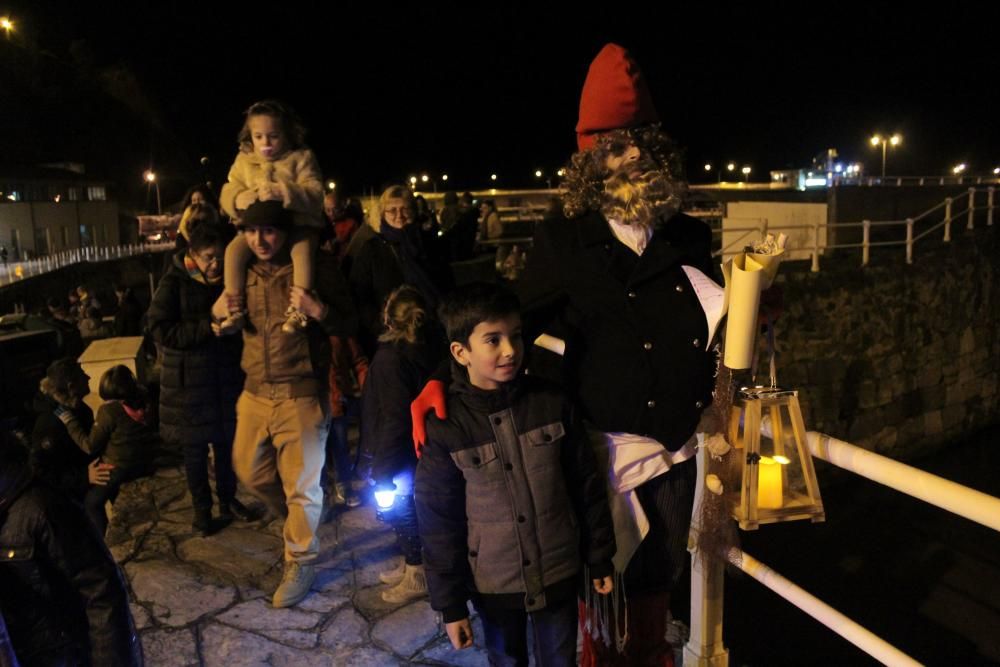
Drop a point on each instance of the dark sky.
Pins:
(470, 89)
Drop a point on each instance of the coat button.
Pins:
(521, 519)
(695, 343)
(647, 346)
(699, 404)
(473, 554)
(679, 288)
(526, 562)
(475, 460)
(509, 467)
(651, 404)
(497, 421)
(631, 295)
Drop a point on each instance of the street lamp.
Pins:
(493, 177)
(894, 140)
(331, 185)
(413, 182)
(150, 177)
(7, 25)
(958, 169)
(746, 173)
(444, 177)
(731, 167)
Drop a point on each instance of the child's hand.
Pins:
(460, 633)
(245, 199)
(270, 192)
(99, 473)
(307, 302)
(604, 585)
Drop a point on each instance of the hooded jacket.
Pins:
(54, 456)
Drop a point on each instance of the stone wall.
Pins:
(901, 359)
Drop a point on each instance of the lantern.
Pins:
(778, 480)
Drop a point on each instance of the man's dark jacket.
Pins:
(61, 594)
(201, 377)
(634, 329)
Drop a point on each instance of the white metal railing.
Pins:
(949, 217)
(705, 645)
(12, 272)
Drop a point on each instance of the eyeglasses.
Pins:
(399, 211)
(208, 261)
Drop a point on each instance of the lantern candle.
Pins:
(769, 487)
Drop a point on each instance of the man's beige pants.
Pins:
(278, 455)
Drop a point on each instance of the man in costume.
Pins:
(610, 278)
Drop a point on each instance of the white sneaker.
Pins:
(295, 584)
(412, 586)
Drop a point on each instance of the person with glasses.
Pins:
(393, 257)
(201, 377)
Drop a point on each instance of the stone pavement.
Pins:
(205, 601)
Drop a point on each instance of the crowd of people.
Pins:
(284, 314)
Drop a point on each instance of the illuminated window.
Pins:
(96, 193)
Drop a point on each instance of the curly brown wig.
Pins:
(657, 193)
(294, 130)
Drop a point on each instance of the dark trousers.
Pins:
(196, 471)
(403, 518)
(338, 468)
(98, 494)
(553, 634)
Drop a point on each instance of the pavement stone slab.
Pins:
(408, 629)
(177, 595)
(305, 639)
(223, 646)
(139, 615)
(369, 564)
(176, 648)
(322, 603)
(245, 554)
(123, 551)
(345, 630)
(442, 652)
(258, 615)
(369, 602)
(338, 581)
(368, 657)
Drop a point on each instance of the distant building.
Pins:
(51, 208)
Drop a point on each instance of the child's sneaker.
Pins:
(232, 324)
(413, 585)
(296, 321)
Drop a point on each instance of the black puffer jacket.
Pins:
(395, 377)
(54, 456)
(201, 377)
(61, 594)
(509, 501)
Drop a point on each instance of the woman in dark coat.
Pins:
(395, 255)
(201, 377)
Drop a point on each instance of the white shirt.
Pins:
(636, 237)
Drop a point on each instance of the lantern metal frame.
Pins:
(750, 407)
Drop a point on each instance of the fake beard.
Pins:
(640, 195)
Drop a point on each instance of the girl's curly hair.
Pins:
(291, 125)
(405, 315)
(587, 171)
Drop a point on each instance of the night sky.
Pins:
(391, 92)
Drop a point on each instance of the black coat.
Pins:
(61, 594)
(635, 331)
(201, 377)
(376, 272)
(54, 456)
(395, 377)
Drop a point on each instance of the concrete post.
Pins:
(989, 206)
(972, 206)
(704, 647)
(947, 219)
(909, 240)
(865, 247)
(815, 258)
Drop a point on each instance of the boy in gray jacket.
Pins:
(510, 505)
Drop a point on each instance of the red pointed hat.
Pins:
(614, 96)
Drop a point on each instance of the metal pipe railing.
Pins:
(858, 635)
